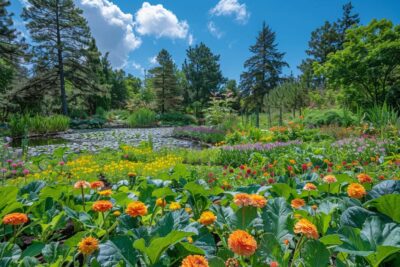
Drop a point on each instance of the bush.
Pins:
(329, 117)
(177, 119)
(19, 125)
(200, 133)
(142, 118)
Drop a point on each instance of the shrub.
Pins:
(200, 133)
(142, 118)
(177, 119)
(19, 125)
(329, 117)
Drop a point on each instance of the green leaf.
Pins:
(188, 249)
(276, 218)
(353, 243)
(197, 189)
(9, 253)
(117, 250)
(163, 192)
(388, 205)
(330, 240)
(269, 248)
(381, 254)
(245, 217)
(376, 232)
(283, 190)
(225, 216)
(355, 216)
(158, 245)
(216, 262)
(33, 250)
(314, 253)
(175, 220)
(29, 262)
(8, 201)
(384, 188)
(53, 251)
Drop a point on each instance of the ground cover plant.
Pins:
(136, 206)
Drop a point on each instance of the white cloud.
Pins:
(214, 30)
(112, 28)
(231, 7)
(160, 22)
(153, 60)
(138, 67)
(191, 39)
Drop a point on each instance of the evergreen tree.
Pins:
(61, 35)
(263, 69)
(203, 73)
(326, 39)
(165, 83)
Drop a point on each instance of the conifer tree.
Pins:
(263, 69)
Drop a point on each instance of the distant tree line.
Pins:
(62, 70)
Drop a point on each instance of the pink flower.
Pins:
(61, 163)
(25, 171)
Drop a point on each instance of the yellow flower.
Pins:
(174, 206)
(188, 210)
(88, 245)
(160, 202)
(117, 213)
(106, 192)
(207, 218)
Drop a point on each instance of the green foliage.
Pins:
(142, 118)
(219, 110)
(382, 117)
(19, 125)
(176, 119)
(339, 117)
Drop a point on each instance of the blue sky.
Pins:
(134, 31)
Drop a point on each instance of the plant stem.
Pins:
(83, 199)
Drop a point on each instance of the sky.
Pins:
(134, 31)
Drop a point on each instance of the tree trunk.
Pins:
(64, 106)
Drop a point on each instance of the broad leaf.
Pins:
(388, 205)
(116, 250)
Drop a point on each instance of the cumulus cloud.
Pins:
(112, 29)
(212, 28)
(138, 67)
(153, 60)
(160, 22)
(191, 39)
(229, 8)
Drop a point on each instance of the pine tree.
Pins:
(61, 35)
(263, 69)
(165, 83)
(347, 21)
(203, 73)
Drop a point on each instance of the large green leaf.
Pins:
(269, 248)
(355, 216)
(175, 220)
(283, 190)
(376, 232)
(245, 217)
(384, 188)
(8, 201)
(34, 249)
(382, 253)
(388, 205)
(116, 250)
(314, 253)
(226, 218)
(158, 245)
(53, 251)
(197, 189)
(9, 253)
(353, 243)
(275, 218)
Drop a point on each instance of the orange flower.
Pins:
(310, 187)
(242, 243)
(81, 184)
(286, 242)
(96, 184)
(297, 203)
(174, 206)
(314, 207)
(207, 218)
(136, 208)
(364, 178)
(356, 191)
(306, 228)
(131, 174)
(242, 200)
(102, 206)
(160, 202)
(258, 201)
(329, 179)
(188, 210)
(15, 218)
(105, 193)
(194, 261)
(274, 264)
(88, 245)
(117, 213)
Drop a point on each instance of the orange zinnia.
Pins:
(194, 261)
(297, 203)
(160, 202)
(88, 245)
(329, 179)
(258, 201)
(242, 200)
(15, 218)
(310, 187)
(207, 218)
(81, 184)
(96, 184)
(364, 178)
(356, 191)
(242, 243)
(102, 206)
(136, 208)
(306, 228)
